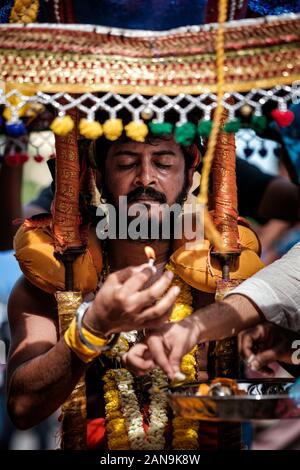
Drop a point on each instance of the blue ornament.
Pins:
(5, 11)
(274, 7)
(294, 392)
(16, 129)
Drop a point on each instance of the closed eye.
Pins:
(163, 165)
(128, 166)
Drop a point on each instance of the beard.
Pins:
(152, 220)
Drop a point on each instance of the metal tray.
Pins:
(265, 399)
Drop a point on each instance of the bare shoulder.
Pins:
(33, 322)
(25, 297)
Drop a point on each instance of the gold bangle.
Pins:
(74, 342)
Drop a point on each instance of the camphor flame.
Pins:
(150, 253)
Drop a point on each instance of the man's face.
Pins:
(147, 173)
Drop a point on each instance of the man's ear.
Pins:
(190, 175)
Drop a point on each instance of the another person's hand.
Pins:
(264, 344)
(164, 347)
(123, 304)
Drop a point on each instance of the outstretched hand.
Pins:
(264, 344)
(164, 347)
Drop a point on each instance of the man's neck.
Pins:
(124, 253)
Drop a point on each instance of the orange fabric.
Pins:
(66, 200)
(35, 252)
(225, 190)
(201, 270)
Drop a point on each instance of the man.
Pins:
(42, 369)
(271, 295)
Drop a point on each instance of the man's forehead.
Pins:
(154, 144)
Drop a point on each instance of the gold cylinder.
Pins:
(225, 351)
(74, 408)
(223, 361)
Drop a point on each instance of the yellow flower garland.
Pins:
(185, 431)
(123, 419)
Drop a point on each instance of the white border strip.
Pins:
(148, 33)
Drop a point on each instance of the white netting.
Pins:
(159, 105)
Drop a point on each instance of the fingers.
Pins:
(161, 308)
(139, 276)
(151, 294)
(251, 340)
(246, 346)
(260, 361)
(125, 274)
(175, 358)
(157, 349)
(138, 359)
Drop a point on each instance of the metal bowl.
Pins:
(264, 399)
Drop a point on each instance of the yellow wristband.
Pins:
(74, 342)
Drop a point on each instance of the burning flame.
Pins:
(150, 253)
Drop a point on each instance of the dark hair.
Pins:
(102, 146)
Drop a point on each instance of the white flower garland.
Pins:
(154, 438)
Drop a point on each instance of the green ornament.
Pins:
(205, 127)
(159, 129)
(258, 123)
(232, 126)
(185, 134)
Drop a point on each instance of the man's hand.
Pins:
(264, 344)
(123, 304)
(164, 347)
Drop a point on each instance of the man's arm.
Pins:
(42, 371)
(165, 346)
(272, 294)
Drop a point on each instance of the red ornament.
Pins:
(23, 157)
(12, 159)
(38, 158)
(283, 118)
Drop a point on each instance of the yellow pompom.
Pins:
(113, 128)
(62, 125)
(90, 129)
(136, 130)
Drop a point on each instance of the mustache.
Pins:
(149, 192)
